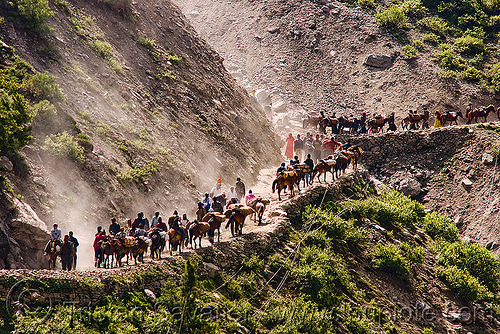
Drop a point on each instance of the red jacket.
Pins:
(98, 237)
(330, 144)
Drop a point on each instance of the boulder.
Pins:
(467, 183)
(273, 30)
(410, 187)
(378, 61)
(6, 164)
(262, 95)
(150, 294)
(212, 270)
(488, 159)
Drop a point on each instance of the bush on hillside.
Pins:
(392, 18)
(31, 14)
(414, 8)
(14, 128)
(464, 284)
(64, 145)
(389, 259)
(469, 45)
(474, 258)
(43, 86)
(440, 227)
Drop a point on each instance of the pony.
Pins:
(140, 248)
(215, 221)
(284, 179)
(158, 242)
(197, 230)
(322, 168)
(377, 124)
(259, 206)
(352, 125)
(311, 121)
(53, 253)
(328, 122)
(451, 116)
(480, 112)
(413, 121)
(123, 247)
(237, 217)
(107, 249)
(175, 239)
(354, 153)
(341, 163)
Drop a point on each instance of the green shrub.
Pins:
(15, 132)
(414, 254)
(474, 258)
(43, 86)
(440, 227)
(389, 259)
(410, 51)
(103, 49)
(139, 174)
(414, 8)
(322, 276)
(146, 42)
(470, 45)
(435, 25)
(467, 286)
(431, 38)
(44, 113)
(392, 19)
(370, 4)
(447, 58)
(334, 227)
(85, 142)
(31, 14)
(471, 73)
(64, 145)
(494, 77)
(174, 58)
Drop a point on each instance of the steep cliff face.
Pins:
(155, 116)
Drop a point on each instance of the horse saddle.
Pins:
(414, 117)
(128, 241)
(330, 162)
(452, 113)
(286, 175)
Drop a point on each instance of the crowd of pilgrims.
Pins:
(214, 201)
(313, 149)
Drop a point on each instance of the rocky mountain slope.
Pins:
(156, 117)
(312, 57)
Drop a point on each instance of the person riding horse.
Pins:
(55, 236)
(173, 222)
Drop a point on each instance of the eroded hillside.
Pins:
(312, 57)
(155, 117)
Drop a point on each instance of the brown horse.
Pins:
(342, 162)
(283, 179)
(322, 168)
(348, 123)
(376, 124)
(311, 121)
(413, 121)
(328, 122)
(139, 249)
(215, 221)
(107, 249)
(197, 230)
(158, 242)
(237, 219)
(451, 116)
(353, 153)
(175, 239)
(123, 247)
(480, 112)
(53, 254)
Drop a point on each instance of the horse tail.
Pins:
(274, 185)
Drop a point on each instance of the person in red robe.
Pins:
(289, 146)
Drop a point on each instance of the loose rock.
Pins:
(378, 61)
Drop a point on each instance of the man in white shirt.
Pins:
(216, 190)
(55, 233)
(231, 194)
(154, 220)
